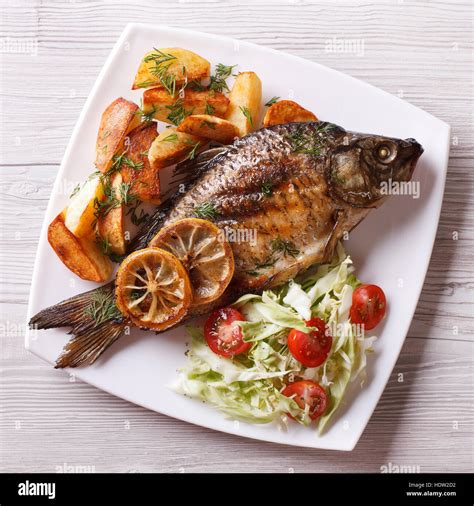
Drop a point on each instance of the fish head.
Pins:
(362, 167)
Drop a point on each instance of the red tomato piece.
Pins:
(310, 393)
(311, 349)
(222, 333)
(368, 306)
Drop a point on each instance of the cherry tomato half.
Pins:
(308, 392)
(311, 349)
(368, 306)
(222, 333)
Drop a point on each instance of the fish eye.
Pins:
(385, 153)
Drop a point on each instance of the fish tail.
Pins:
(95, 323)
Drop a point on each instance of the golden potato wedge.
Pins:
(110, 225)
(159, 104)
(171, 147)
(210, 127)
(145, 182)
(287, 111)
(117, 120)
(169, 67)
(80, 213)
(245, 102)
(82, 256)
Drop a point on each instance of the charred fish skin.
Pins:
(296, 187)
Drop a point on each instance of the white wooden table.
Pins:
(51, 53)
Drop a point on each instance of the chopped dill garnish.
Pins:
(149, 115)
(96, 173)
(113, 197)
(162, 62)
(75, 191)
(137, 215)
(307, 141)
(119, 160)
(284, 247)
(272, 101)
(269, 262)
(170, 138)
(218, 80)
(193, 151)
(206, 210)
(209, 109)
(246, 113)
(101, 307)
(278, 246)
(106, 247)
(177, 112)
(209, 124)
(126, 196)
(267, 188)
(196, 85)
(146, 84)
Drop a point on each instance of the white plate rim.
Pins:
(129, 28)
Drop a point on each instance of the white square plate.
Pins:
(391, 248)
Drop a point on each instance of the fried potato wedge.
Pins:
(158, 103)
(287, 111)
(144, 181)
(82, 256)
(169, 65)
(117, 120)
(171, 147)
(210, 127)
(111, 225)
(245, 102)
(80, 213)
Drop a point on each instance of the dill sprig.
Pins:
(309, 141)
(162, 62)
(209, 109)
(196, 85)
(279, 245)
(193, 151)
(76, 190)
(106, 247)
(126, 197)
(119, 160)
(136, 213)
(272, 101)
(247, 114)
(206, 210)
(147, 116)
(177, 112)
(218, 80)
(170, 138)
(113, 198)
(102, 308)
(267, 188)
(207, 123)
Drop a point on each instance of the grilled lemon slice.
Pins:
(153, 289)
(203, 251)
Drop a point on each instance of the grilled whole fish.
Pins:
(283, 196)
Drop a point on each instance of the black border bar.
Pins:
(237, 489)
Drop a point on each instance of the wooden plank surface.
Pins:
(419, 50)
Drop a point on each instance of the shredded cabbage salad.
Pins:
(248, 387)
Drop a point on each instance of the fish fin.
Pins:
(95, 323)
(68, 313)
(189, 170)
(85, 348)
(185, 173)
(150, 227)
